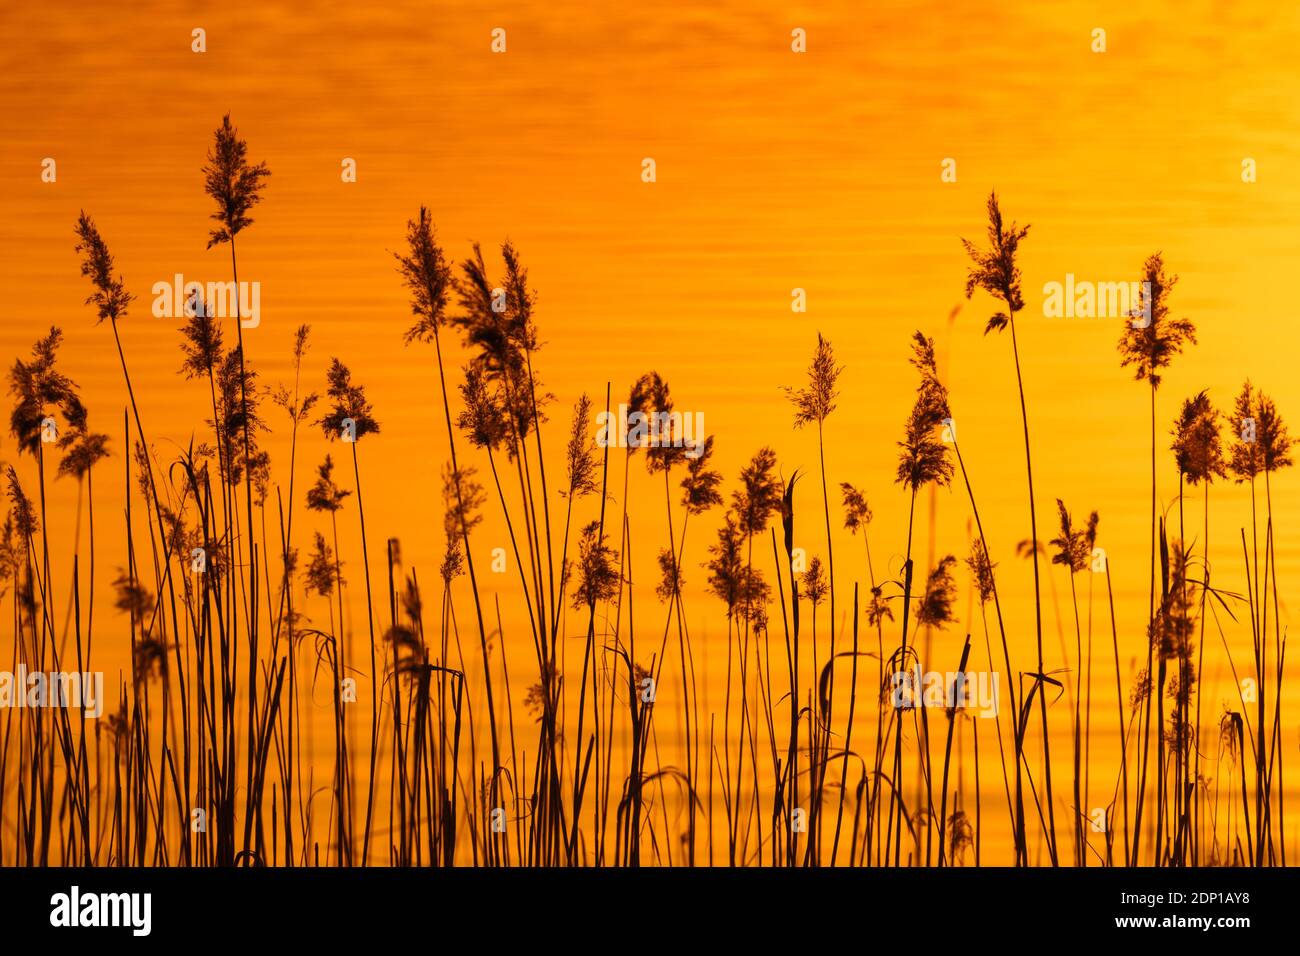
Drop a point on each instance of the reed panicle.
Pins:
(239, 647)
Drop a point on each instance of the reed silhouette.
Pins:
(996, 272)
(230, 738)
(1149, 343)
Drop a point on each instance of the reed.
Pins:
(565, 730)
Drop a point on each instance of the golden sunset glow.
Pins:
(815, 169)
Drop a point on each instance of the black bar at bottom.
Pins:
(585, 908)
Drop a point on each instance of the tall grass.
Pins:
(582, 726)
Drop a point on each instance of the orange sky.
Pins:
(775, 170)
